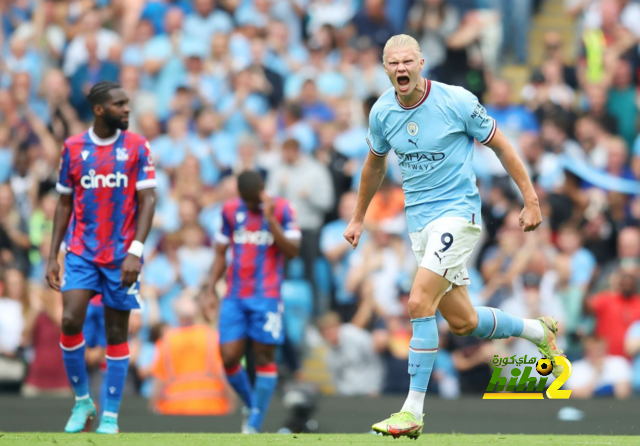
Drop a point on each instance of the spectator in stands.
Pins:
(338, 253)
(88, 74)
(340, 166)
(77, 53)
(554, 50)
(617, 308)
(501, 264)
(354, 364)
(46, 375)
(384, 260)
(600, 373)
(47, 36)
(368, 77)
(63, 118)
(511, 118)
(618, 155)
(170, 150)
(433, 22)
(12, 323)
(583, 262)
(632, 350)
(162, 278)
(247, 157)
(548, 89)
(388, 203)
(195, 258)
(591, 136)
(242, 108)
(206, 20)
(372, 23)
(140, 101)
(298, 129)
(306, 183)
(14, 232)
(622, 99)
(571, 299)
(314, 110)
(628, 247)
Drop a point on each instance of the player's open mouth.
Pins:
(403, 82)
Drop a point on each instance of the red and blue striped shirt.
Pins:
(257, 265)
(103, 176)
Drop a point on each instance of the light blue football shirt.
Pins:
(434, 144)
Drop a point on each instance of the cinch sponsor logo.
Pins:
(93, 181)
(243, 237)
(522, 385)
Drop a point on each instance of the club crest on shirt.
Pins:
(240, 217)
(121, 154)
(412, 128)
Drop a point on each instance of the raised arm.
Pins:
(530, 217)
(287, 240)
(373, 172)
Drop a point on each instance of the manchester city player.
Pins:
(431, 127)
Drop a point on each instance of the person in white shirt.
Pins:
(77, 53)
(11, 325)
(599, 374)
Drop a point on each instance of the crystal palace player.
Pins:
(262, 232)
(431, 127)
(107, 182)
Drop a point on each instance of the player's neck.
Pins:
(415, 96)
(102, 131)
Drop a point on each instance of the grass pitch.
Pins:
(42, 439)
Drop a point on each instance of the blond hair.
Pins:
(401, 41)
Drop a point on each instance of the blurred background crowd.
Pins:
(284, 87)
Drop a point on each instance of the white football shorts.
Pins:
(444, 247)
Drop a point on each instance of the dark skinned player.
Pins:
(106, 186)
(261, 232)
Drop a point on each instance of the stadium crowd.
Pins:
(284, 87)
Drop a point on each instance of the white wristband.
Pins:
(136, 248)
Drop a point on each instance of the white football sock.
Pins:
(532, 331)
(414, 403)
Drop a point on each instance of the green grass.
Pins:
(273, 439)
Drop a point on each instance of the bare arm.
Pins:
(146, 208)
(217, 268)
(622, 390)
(632, 346)
(335, 254)
(530, 217)
(287, 246)
(60, 224)
(46, 138)
(366, 308)
(373, 172)
(585, 391)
